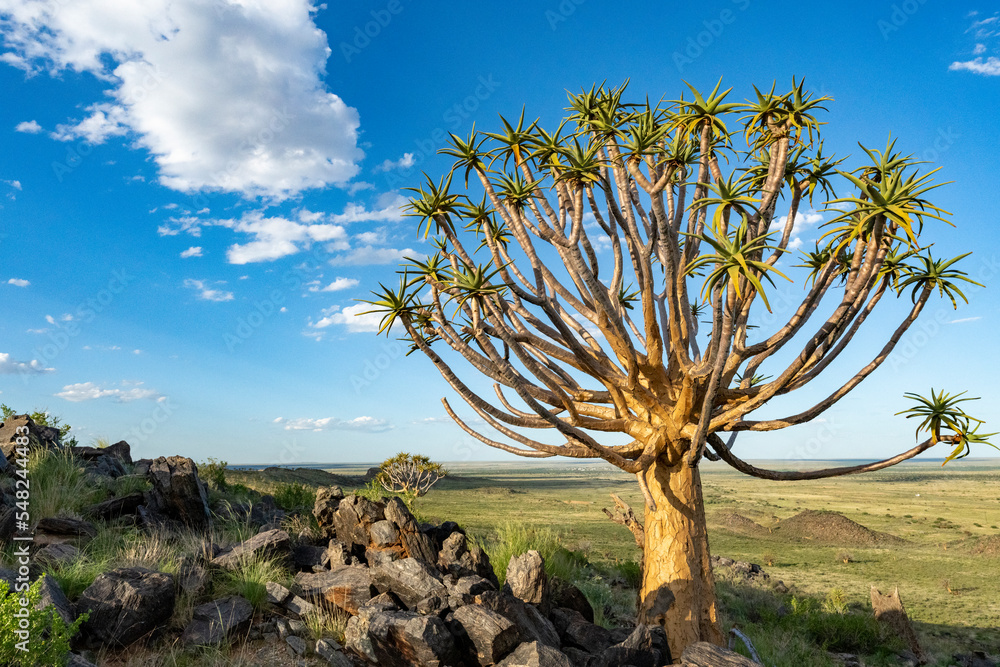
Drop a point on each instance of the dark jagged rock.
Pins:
(353, 520)
(646, 647)
(576, 631)
(116, 507)
(704, 654)
(347, 587)
(57, 555)
(332, 652)
(566, 595)
(268, 544)
(383, 534)
(310, 558)
(125, 604)
(459, 558)
(39, 437)
(214, 622)
(327, 501)
(486, 636)
(66, 527)
(416, 543)
(178, 492)
(411, 579)
(465, 590)
(531, 623)
(52, 596)
(403, 639)
(535, 654)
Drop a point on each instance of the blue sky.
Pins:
(192, 195)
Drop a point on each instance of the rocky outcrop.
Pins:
(39, 437)
(268, 544)
(214, 622)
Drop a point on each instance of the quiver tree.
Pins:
(409, 475)
(575, 269)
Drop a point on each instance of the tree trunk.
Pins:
(678, 590)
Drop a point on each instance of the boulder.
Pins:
(116, 507)
(535, 654)
(214, 622)
(268, 544)
(576, 631)
(66, 527)
(411, 579)
(415, 543)
(108, 461)
(646, 647)
(297, 644)
(526, 579)
(310, 558)
(332, 652)
(125, 604)
(566, 595)
(459, 558)
(465, 590)
(327, 501)
(486, 636)
(53, 596)
(57, 555)
(375, 557)
(704, 654)
(384, 534)
(347, 587)
(532, 625)
(404, 639)
(337, 554)
(39, 437)
(178, 492)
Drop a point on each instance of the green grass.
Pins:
(59, 485)
(249, 579)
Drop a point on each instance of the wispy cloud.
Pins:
(965, 319)
(193, 251)
(206, 293)
(127, 392)
(988, 67)
(352, 317)
(10, 366)
(367, 424)
(337, 285)
(368, 255)
(405, 162)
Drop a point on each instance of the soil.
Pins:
(987, 546)
(737, 523)
(833, 528)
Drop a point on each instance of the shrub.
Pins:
(42, 638)
(294, 497)
(409, 475)
(845, 557)
(214, 471)
(59, 484)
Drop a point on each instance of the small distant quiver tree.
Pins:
(409, 475)
(574, 273)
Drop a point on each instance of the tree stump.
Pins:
(889, 611)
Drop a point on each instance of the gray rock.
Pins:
(66, 527)
(459, 558)
(375, 557)
(126, 604)
(327, 501)
(411, 579)
(116, 507)
(576, 631)
(486, 636)
(39, 437)
(646, 647)
(192, 578)
(526, 579)
(267, 544)
(297, 644)
(178, 492)
(332, 652)
(215, 621)
(347, 587)
(383, 534)
(276, 593)
(57, 555)
(465, 590)
(534, 654)
(353, 519)
(402, 639)
(337, 554)
(566, 595)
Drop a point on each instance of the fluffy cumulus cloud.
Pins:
(369, 424)
(226, 95)
(193, 251)
(28, 127)
(984, 66)
(278, 237)
(352, 317)
(206, 293)
(405, 162)
(18, 282)
(9, 366)
(804, 221)
(337, 285)
(125, 393)
(986, 33)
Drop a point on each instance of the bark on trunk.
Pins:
(678, 590)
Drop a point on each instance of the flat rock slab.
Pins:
(347, 587)
(534, 654)
(57, 555)
(411, 579)
(116, 507)
(215, 621)
(268, 544)
(66, 527)
(703, 654)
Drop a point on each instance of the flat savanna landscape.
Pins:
(944, 557)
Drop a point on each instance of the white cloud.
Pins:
(367, 255)
(369, 424)
(88, 391)
(277, 237)
(389, 208)
(193, 251)
(979, 50)
(988, 67)
(337, 285)
(225, 95)
(28, 127)
(18, 282)
(9, 366)
(205, 293)
(14, 184)
(965, 319)
(404, 162)
(351, 317)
